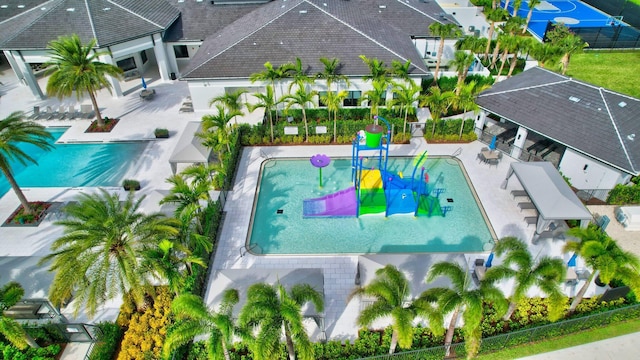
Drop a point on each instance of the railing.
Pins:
(500, 342)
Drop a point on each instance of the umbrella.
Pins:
(487, 263)
(572, 261)
(144, 84)
(492, 146)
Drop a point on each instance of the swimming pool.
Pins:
(71, 165)
(278, 226)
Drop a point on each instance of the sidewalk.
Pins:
(617, 348)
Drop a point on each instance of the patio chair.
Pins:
(479, 269)
(36, 113)
(526, 206)
(481, 157)
(493, 162)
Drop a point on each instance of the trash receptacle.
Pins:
(173, 76)
(373, 135)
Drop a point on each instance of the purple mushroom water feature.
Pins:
(320, 161)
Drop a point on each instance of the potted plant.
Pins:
(161, 133)
(130, 184)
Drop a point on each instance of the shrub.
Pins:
(161, 133)
(108, 341)
(130, 184)
(624, 194)
(10, 352)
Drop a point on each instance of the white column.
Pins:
(27, 75)
(518, 144)
(14, 67)
(481, 119)
(115, 83)
(171, 58)
(161, 57)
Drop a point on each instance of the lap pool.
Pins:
(278, 225)
(78, 164)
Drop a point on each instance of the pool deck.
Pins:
(138, 119)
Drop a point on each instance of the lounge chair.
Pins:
(87, 111)
(62, 112)
(36, 113)
(519, 193)
(526, 206)
(49, 114)
(531, 220)
(72, 114)
(479, 269)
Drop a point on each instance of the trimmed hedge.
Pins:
(108, 341)
(624, 194)
(10, 352)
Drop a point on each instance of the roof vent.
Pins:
(43, 8)
(303, 11)
(71, 9)
(106, 9)
(4, 6)
(574, 99)
(622, 104)
(631, 137)
(20, 6)
(382, 6)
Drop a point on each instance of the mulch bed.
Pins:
(18, 218)
(109, 124)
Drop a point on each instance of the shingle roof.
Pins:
(108, 21)
(309, 29)
(584, 117)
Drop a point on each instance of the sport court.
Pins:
(571, 13)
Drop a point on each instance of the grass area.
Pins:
(615, 70)
(566, 341)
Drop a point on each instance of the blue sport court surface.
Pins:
(571, 13)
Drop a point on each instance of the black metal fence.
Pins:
(612, 36)
(500, 342)
(625, 8)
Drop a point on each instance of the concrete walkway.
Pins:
(617, 348)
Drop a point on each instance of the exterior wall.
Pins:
(596, 175)
(177, 64)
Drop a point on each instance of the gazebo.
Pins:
(549, 192)
(189, 148)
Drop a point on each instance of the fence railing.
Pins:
(500, 342)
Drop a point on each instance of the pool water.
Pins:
(72, 165)
(278, 226)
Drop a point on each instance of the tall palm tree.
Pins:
(406, 95)
(570, 45)
(231, 101)
(511, 27)
(76, 67)
(219, 122)
(301, 98)
(392, 294)
(331, 72)
(299, 75)
(516, 7)
(532, 4)
(474, 44)
(10, 294)
(195, 319)
(401, 70)
(546, 273)
(375, 97)
(465, 99)
(98, 257)
(545, 53)
(267, 102)
(493, 16)
(14, 130)
(509, 46)
(270, 310)
(333, 101)
(443, 31)
(168, 260)
(605, 258)
(462, 60)
(272, 75)
(438, 103)
(378, 71)
(461, 297)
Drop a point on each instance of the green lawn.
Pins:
(617, 70)
(580, 338)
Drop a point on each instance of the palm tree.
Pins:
(462, 298)
(606, 259)
(474, 44)
(511, 27)
(516, 7)
(195, 319)
(272, 75)
(220, 122)
(462, 60)
(545, 53)
(375, 97)
(14, 129)
(331, 72)
(301, 98)
(267, 102)
(98, 257)
(392, 295)
(465, 99)
(231, 101)
(75, 67)
(493, 16)
(378, 71)
(333, 101)
(532, 5)
(438, 103)
(443, 31)
(568, 46)
(401, 70)
(10, 294)
(271, 310)
(509, 45)
(299, 74)
(406, 95)
(166, 260)
(546, 273)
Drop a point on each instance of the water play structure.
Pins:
(376, 190)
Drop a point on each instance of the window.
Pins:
(181, 51)
(352, 99)
(143, 56)
(321, 95)
(127, 64)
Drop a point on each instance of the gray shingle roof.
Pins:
(579, 115)
(309, 29)
(108, 21)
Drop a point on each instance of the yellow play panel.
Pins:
(370, 179)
